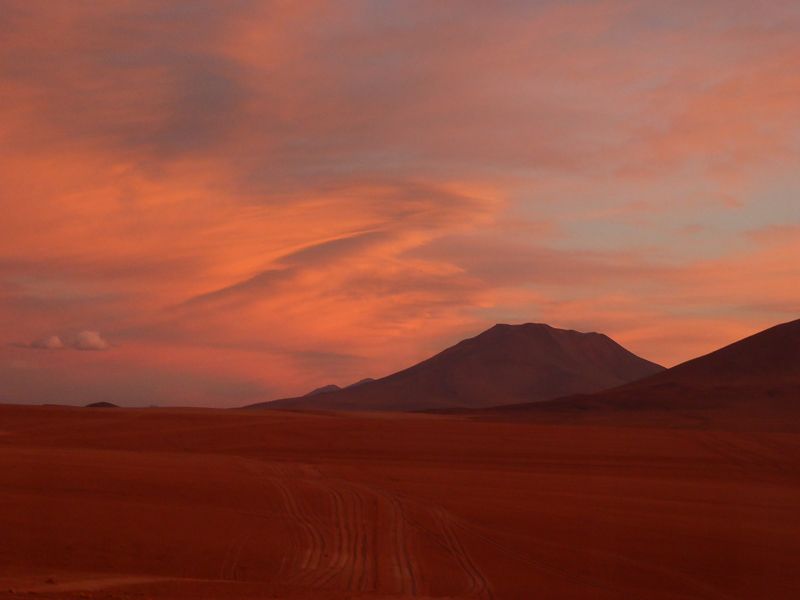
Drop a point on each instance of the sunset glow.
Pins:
(216, 203)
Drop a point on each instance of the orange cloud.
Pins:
(254, 199)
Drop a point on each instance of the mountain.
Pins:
(323, 390)
(361, 382)
(503, 365)
(755, 377)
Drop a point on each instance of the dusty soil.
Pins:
(158, 503)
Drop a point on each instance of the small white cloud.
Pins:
(90, 340)
(52, 342)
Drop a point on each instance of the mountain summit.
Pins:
(503, 365)
(755, 377)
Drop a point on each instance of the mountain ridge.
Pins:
(758, 373)
(503, 364)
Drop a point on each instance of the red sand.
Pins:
(157, 503)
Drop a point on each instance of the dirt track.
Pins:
(209, 504)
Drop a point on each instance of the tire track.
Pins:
(406, 567)
(340, 547)
(478, 585)
(314, 542)
(698, 587)
(356, 557)
(542, 565)
(258, 471)
(336, 544)
(350, 559)
(324, 557)
(230, 565)
(367, 550)
(357, 580)
(310, 547)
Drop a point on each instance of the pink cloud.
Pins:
(52, 342)
(90, 340)
(284, 195)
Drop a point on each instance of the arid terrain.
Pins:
(399, 300)
(171, 503)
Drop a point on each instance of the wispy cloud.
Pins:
(251, 191)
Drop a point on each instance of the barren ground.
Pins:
(158, 503)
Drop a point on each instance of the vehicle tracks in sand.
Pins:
(478, 585)
(313, 548)
(350, 559)
(686, 581)
(353, 552)
(229, 569)
(357, 537)
(404, 566)
(307, 547)
(331, 550)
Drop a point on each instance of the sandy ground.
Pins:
(157, 503)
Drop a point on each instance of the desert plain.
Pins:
(200, 503)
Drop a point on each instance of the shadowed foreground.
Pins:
(211, 504)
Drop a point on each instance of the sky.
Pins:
(216, 203)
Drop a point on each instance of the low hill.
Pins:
(325, 389)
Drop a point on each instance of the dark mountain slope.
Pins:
(756, 377)
(503, 365)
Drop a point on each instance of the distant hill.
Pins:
(361, 382)
(323, 390)
(101, 405)
(503, 365)
(754, 376)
